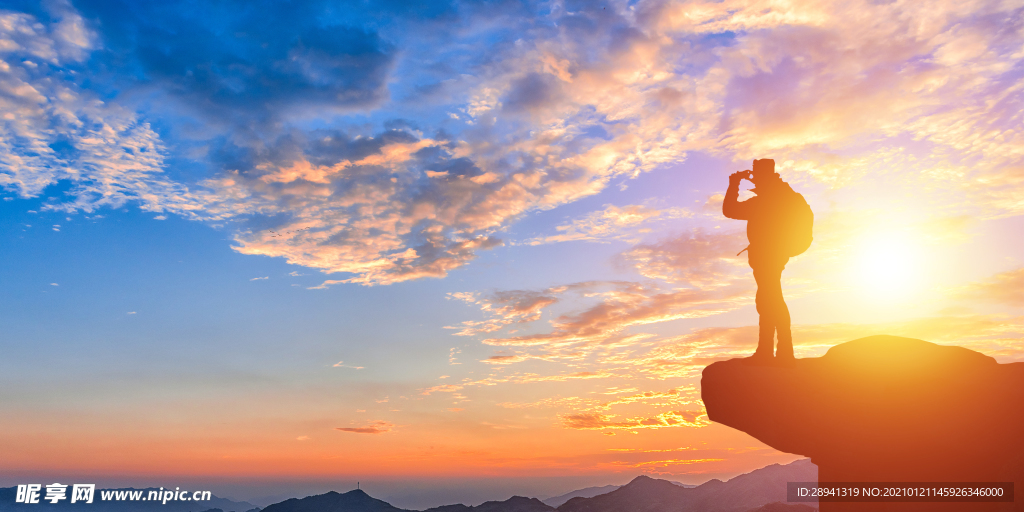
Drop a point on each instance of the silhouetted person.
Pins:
(778, 226)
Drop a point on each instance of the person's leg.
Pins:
(772, 309)
(765, 316)
(782, 320)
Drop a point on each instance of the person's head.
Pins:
(763, 171)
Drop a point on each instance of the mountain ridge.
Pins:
(333, 501)
(750, 491)
(586, 492)
(739, 494)
(642, 494)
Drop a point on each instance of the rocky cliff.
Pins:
(883, 408)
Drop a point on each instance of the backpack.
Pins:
(800, 225)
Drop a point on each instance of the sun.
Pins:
(888, 266)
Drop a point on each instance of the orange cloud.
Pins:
(668, 462)
(622, 305)
(571, 401)
(443, 388)
(650, 397)
(597, 421)
(377, 427)
(1003, 288)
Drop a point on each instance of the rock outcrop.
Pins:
(883, 408)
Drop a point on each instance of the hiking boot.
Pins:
(784, 355)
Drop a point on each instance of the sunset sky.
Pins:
(459, 251)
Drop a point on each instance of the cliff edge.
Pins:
(884, 408)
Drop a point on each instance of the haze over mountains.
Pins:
(744, 493)
(762, 490)
(588, 492)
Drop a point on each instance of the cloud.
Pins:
(260, 278)
(596, 421)
(532, 92)
(326, 284)
(650, 464)
(376, 215)
(385, 208)
(699, 258)
(512, 378)
(1005, 288)
(603, 324)
(594, 345)
(236, 63)
(380, 146)
(566, 148)
(442, 388)
(54, 131)
(452, 353)
(602, 329)
(572, 401)
(824, 72)
(341, 364)
(670, 398)
(376, 427)
(505, 308)
(658, 398)
(612, 223)
(505, 359)
(501, 427)
(619, 306)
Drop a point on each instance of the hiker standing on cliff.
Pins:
(778, 227)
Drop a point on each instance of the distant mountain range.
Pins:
(589, 492)
(762, 490)
(740, 494)
(352, 501)
(513, 504)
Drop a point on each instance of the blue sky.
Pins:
(316, 242)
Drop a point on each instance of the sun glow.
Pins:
(889, 267)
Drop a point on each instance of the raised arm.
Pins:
(732, 208)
